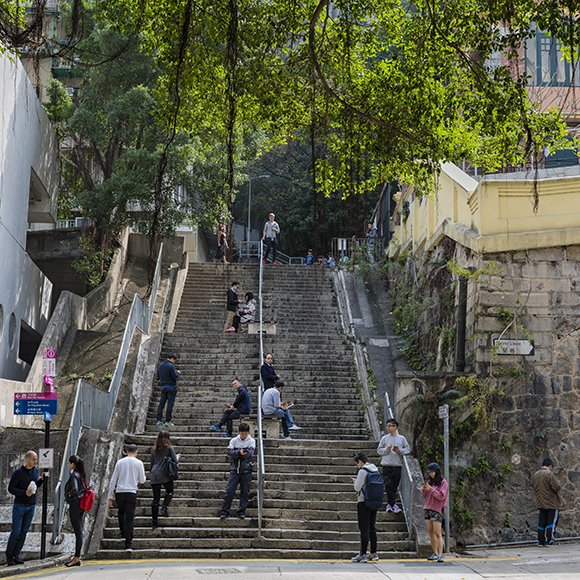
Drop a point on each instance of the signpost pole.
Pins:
(47, 421)
(444, 414)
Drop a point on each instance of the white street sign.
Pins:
(511, 346)
(49, 367)
(444, 412)
(46, 458)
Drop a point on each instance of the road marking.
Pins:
(382, 342)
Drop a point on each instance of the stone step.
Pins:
(299, 513)
(185, 543)
(232, 554)
(112, 533)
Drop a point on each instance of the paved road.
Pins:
(556, 563)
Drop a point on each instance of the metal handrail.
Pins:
(253, 249)
(260, 443)
(94, 407)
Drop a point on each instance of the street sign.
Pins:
(444, 412)
(49, 367)
(48, 384)
(508, 346)
(47, 417)
(49, 362)
(35, 403)
(45, 458)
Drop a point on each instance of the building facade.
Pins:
(29, 179)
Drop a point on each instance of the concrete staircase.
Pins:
(309, 505)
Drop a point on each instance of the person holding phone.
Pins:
(435, 491)
(392, 447)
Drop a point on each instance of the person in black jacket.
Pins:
(74, 490)
(23, 485)
(160, 450)
(241, 406)
(269, 376)
(168, 378)
(232, 307)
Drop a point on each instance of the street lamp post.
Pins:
(250, 209)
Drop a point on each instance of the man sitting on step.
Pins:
(273, 407)
(241, 454)
(241, 406)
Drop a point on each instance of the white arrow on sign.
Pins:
(509, 346)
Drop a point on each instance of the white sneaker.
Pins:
(283, 437)
(360, 559)
(294, 428)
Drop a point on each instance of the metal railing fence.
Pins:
(93, 406)
(244, 250)
(9, 463)
(348, 249)
(260, 442)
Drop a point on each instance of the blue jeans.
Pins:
(287, 420)
(21, 519)
(168, 395)
(245, 481)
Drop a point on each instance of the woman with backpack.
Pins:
(159, 477)
(367, 506)
(435, 491)
(74, 490)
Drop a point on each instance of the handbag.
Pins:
(169, 468)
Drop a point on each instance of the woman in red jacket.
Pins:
(435, 492)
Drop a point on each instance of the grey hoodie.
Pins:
(359, 484)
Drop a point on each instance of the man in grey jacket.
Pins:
(392, 447)
(271, 229)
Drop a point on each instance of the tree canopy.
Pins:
(391, 88)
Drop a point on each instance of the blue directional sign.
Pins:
(36, 407)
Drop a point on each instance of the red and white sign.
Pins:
(49, 353)
(48, 384)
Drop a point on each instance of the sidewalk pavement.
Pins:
(516, 563)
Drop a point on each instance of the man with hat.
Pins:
(168, 378)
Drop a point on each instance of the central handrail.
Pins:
(260, 443)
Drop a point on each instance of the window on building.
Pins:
(545, 63)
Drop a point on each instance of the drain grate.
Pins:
(218, 571)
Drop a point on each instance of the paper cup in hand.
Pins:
(31, 487)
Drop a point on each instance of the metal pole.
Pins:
(44, 495)
(446, 475)
(249, 211)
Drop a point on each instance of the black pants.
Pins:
(547, 525)
(126, 504)
(391, 479)
(228, 419)
(76, 520)
(271, 243)
(157, 497)
(367, 519)
(168, 395)
(245, 482)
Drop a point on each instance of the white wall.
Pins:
(28, 151)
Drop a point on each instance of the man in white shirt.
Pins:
(129, 473)
(392, 447)
(272, 407)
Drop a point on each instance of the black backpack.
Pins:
(373, 492)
